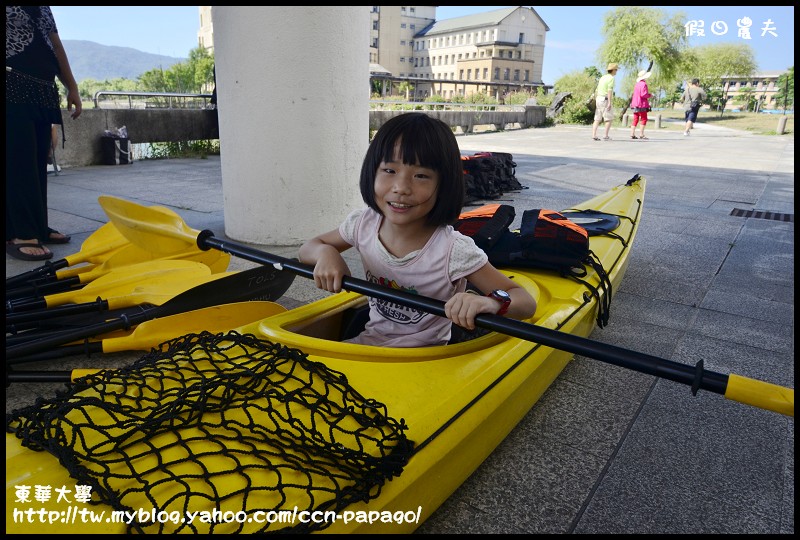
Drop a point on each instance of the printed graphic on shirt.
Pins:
(393, 311)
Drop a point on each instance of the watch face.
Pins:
(501, 295)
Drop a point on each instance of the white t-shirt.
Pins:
(438, 270)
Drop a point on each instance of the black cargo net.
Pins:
(225, 422)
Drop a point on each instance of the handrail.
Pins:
(377, 104)
(169, 95)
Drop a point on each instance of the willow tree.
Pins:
(637, 38)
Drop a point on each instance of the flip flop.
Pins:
(644, 138)
(15, 250)
(63, 240)
(635, 137)
(596, 138)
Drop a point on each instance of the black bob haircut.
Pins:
(425, 141)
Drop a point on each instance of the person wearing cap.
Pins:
(604, 99)
(640, 104)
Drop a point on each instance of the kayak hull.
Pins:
(458, 401)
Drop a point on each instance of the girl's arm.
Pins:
(324, 253)
(462, 308)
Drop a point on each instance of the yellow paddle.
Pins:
(120, 281)
(144, 227)
(126, 256)
(104, 241)
(259, 283)
(98, 247)
(151, 333)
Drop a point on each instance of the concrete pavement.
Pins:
(606, 450)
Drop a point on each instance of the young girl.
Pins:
(413, 185)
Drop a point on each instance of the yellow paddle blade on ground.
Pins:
(123, 280)
(143, 227)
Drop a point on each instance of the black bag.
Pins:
(115, 151)
(546, 239)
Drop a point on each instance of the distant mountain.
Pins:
(90, 60)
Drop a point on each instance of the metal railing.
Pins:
(379, 105)
(150, 100)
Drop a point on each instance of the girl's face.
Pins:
(405, 194)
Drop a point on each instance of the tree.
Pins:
(635, 36)
(710, 63)
(785, 97)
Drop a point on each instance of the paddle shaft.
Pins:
(47, 376)
(695, 376)
(259, 283)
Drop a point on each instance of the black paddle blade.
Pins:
(259, 283)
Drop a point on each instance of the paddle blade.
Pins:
(148, 228)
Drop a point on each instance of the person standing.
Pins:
(693, 98)
(35, 56)
(640, 104)
(604, 96)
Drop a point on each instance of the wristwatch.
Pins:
(503, 297)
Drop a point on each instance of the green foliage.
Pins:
(195, 76)
(710, 63)
(519, 98)
(575, 112)
(636, 36)
(199, 149)
(785, 95)
(481, 97)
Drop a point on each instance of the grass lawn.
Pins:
(760, 124)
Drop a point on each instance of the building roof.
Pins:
(488, 18)
(774, 74)
(378, 70)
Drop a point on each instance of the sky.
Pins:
(571, 44)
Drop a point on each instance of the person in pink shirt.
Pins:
(412, 183)
(640, 104)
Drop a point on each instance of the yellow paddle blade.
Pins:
(157, 293)
(148, 228)
(131, 254)
(75, 270)
(125, 279)
(104, 241)
(212, 319)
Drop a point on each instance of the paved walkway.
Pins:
(605, 450)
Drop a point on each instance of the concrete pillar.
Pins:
(625, 119)
(658, 121)
(290, 170)
(781, 125)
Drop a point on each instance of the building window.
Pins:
(413, 9)
(516, 74)
(485, 73)
(376, 9)
(469, 74)
(402, 25)
(506, 74)
(413, 27)
(374, 25)
(402, 43)
(527, 75)
(461, 74)
(521, 37)
(497, 73)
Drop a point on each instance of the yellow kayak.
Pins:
(435, 414)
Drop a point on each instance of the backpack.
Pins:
(546, 239)
(487, 175)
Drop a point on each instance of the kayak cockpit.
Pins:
(320, 327)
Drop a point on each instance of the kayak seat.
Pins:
(353, 321)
